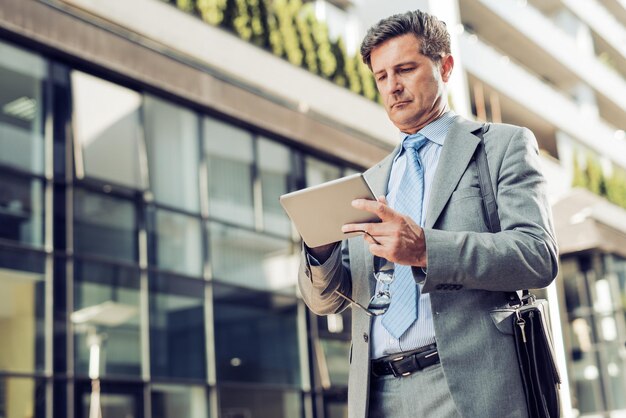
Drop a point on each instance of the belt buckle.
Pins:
(394, 371)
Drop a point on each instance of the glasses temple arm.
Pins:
(354, 302)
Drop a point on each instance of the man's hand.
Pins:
(397, 238)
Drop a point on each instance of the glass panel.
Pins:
(106, 319)
(177, 327)
(21, 210)
(587, 391)
(22, 78)
(176, 242)
(318, 172)
(22, 311)
(173, 401)
(22, 397)
(107, 128)
(229, 158)
(337, 364)
(274, 169)
(172, 145)
(336, 403)
(256, 337)
(251, 259)
(259, 403)
(104, 226)
(615, 373)
(112, 400)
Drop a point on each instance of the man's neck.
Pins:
(430, 120)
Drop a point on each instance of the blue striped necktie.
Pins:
(404, 292)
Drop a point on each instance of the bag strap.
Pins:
(486, 187)
(489, 200)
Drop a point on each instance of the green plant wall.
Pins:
(290, 30)
(592, 177)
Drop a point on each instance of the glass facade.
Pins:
(145, 260)
(594, 287)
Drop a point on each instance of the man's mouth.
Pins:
(402, 103)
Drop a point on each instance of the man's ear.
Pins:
(447, 64)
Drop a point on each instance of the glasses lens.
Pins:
(379, 303)
(385, 277)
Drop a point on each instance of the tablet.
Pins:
(320, 211)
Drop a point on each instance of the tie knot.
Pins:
(415, 141)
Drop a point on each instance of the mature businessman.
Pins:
(438, 350)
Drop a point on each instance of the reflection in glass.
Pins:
(22, 398)
(174, 401)
(335, 365)
(274, 169)
(252, 260)
(318, 172)
(107, 130)
(256, 337)
(172, 146)
(21, 210)
(177, 327)
(229, 158)
(107, 315)
(104, 226)
(22, 78)
(259, 403)
(176, 242)
(22, 311)
(117, 400)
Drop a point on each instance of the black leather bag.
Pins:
(535, 354)
(533, 342)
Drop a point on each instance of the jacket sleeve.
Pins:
(524, 254)
(318, 282)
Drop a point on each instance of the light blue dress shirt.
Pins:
(422, 331)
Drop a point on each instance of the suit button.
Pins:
(365, 337)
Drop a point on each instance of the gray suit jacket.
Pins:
(470, 270)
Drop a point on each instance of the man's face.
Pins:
(411, 84)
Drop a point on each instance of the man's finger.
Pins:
(378, 208)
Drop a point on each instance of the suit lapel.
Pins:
(456, 154)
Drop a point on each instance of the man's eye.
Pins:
(381, 77)
(406, 70)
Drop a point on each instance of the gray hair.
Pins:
(432, 32)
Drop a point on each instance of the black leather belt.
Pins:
(406, 363)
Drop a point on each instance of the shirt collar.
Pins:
(436, 130)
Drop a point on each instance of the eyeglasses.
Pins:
(379, 303)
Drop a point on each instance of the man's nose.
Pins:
(394, 85)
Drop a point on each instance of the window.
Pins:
(177, 401)
(123, 400)
(107, 131)
(259, 403)
(256, 337)
(274, 169)
(173, 153)
(104, 225)
(251, 259)
(318, 172)
(176, 242)
(22, 310)
(22, 77)
(21, 210)
(107, 319)
(230, 160)
(177, 327)
(22, 397)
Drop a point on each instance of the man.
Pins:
(439, 350)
